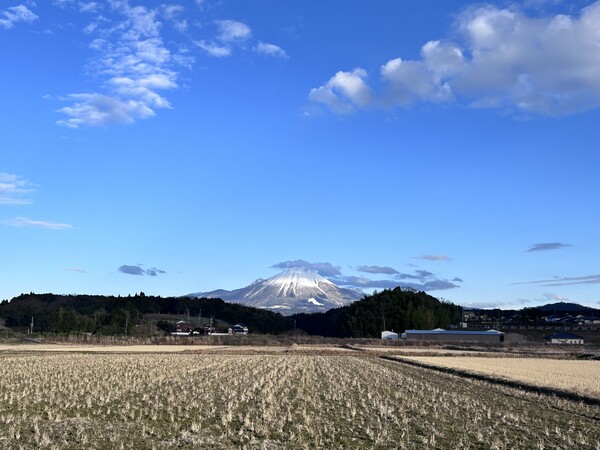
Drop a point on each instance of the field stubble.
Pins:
(581, 377)
(160, 401)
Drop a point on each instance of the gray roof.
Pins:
(563, 335)
(455, 332)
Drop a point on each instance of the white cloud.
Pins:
(213, 49)
(89, 7)
(344, 92)
(135, 65)
(15, 14)
(14, 189)
(63, 3)
(230, 34)
(506, 59)
(25, 222)
(266, 49)
(232, 31)
(173, 13)
(103, 110)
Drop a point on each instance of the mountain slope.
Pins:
(292, 291)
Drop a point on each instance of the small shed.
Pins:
(389, 335)
(564, 338)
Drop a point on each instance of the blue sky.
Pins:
(189, 146)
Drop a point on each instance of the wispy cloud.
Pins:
(135, 64)
(233, 34)
(75, 269)
(377, 269)
(502, 59)
(173, 14)
(90, 7)
(230, 34)
(324, 269)
(213, 49)
(266, 49)
(429, 284)
(233, 31)
(15, 14)
(565, 281)
(25, 222)
(554, 298)
(138, 270)
(421, 280)
(14, 190)
(544, 246)
(433, 257)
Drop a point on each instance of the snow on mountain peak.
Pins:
(295, 289)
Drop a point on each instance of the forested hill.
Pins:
(395, 309)
(107, 315)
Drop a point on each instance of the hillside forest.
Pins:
(140, 314)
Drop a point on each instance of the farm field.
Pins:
(227, 401)
(578, 376)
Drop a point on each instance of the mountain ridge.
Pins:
(294, 290)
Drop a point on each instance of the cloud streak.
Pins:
(139, 271)
(263, 48)
(501, 59)
(377, 269)
(565, 281)
(433, 257)
(20, 222)
(545, 246)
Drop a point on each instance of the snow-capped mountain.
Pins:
(292, 291)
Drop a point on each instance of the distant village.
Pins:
(480, 326)
(185, 328)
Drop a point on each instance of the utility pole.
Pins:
(31, 326)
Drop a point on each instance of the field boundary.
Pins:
(544, 390)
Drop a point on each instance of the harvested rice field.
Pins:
(283, 401)
(582, 377)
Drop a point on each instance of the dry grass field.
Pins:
(582, 377)
(289, 401)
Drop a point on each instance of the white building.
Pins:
(564, 338)
(389, 335)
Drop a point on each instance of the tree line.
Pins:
(397, 309)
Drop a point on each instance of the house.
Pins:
(389, 335)
(564, 338)
(240, 328)
(182, 328)
(583, 320)
(440, 335)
